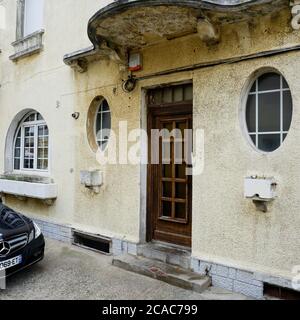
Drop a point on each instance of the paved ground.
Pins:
(69, 272)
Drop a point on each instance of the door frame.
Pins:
(177, 109)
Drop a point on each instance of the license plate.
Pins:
(4, 265)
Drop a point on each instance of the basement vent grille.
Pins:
(92, 242)
(280, 292)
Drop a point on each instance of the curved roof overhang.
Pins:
(132, 24)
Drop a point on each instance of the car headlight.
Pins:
(37, 230)
(31, 236)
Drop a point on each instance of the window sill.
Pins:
(28, 45)
(34, 187)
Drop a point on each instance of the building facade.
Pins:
(226, 69)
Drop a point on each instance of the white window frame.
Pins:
(36, 124)
(256, 93)
(101, 143)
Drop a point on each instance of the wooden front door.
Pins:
(169, 186)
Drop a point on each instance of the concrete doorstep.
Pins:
(170, 274)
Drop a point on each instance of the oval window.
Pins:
(269, 111)
(103, 124)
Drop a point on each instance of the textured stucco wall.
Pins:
(226, 227)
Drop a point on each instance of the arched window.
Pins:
(103, 124)
(31, 144)
(269, 111)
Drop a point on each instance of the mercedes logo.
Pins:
(4, 248)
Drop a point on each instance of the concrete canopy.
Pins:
(128, 25)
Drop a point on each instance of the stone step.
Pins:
(166, 253)
(170, 274)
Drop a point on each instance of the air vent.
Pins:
(92, 242)
(280, 292)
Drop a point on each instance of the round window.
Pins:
(269, 111)
(103, 124)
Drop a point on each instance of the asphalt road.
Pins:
(69, 272)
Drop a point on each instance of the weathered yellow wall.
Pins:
(226, 227)
(44, 83)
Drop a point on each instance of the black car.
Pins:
(21, 242)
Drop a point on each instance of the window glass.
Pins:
(288, 110)
(33, 16)
(103, 124)
(269, 111)
(31, 144)
(268, 142)
(17, 151)
(251, 113)
(269, 81)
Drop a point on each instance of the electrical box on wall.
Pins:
(261, 189)
(135, 62)
(92, 180)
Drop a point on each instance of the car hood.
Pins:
(13, 223)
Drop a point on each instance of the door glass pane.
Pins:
(188, 92)
(166, 152)
(167, 129)
(181, 126)
(269, 81)
(167, 95)
(167, 189)
(178, 94)
(287, 110)
(180, 192)
(269, 112)
(251, 113)
(166, 209)
(167, 171)
(268, 142)
(157, 97)
(180, 171)
(179, 152)
(180, 210)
